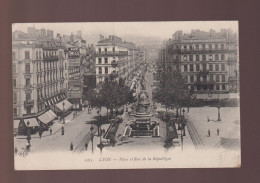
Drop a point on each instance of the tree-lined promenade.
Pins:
(172, 92)
(113, 94)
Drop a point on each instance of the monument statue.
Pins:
(143, 102)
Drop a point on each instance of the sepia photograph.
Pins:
(126, 95)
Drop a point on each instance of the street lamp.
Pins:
(183, 124)
(210, 94)
(218, 106)
(100, 145)
(181, 139)
(63, 104)
(92, 137)
(98, 121)
(28, 133)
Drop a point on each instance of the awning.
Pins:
(16, 123)
(33, 122)
(46, 117)
(67, 105)
(86, 103)
(52, 114)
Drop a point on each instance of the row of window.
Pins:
(47, 77)
(49, 53)
(204, 78)
(44, 92)
(204, 67)
(211, 87)
(203, 58)
(204, 46)
(105, 49)
(48, 91)
(73, 70)
(49, 65)
(100, 70)
(38, 54)
(46, 65)
(100, 60)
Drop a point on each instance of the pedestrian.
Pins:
(208, 119)
(50, 131)
(40, 133)
(62, 130)
(209, 133)
(218, 132)
(71, 146)
(86, 145)
(104, 131)
(27, 146)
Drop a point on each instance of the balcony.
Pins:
(51, 58)
(30, 115)
(197, 51)
(28, 103)
(232, 60)
(28, 86)
(204, 83)
(204, 72)
(111, 53)
(232, 79)
(28, 72)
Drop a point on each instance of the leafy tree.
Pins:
(173, 91)
(114, 94)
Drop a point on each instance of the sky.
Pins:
(160, 30)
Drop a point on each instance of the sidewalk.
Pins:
(229, 127)
(75, 131)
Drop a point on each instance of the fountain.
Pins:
(143, 104)
(143, 125)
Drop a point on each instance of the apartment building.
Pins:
(40, 77)
(207, 60)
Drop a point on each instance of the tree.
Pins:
(114, 94)
(173, 91)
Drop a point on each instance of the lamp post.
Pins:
(63, 116)
(100, 145)
(92, 137)
(98, 121)
(181, 139)
(28, 133)
(219, 118)
(210, 94)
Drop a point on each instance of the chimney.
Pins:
(101, 38)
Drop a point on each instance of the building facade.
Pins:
(39, 76)
(207, 60)
(89, 69)
(117, 57)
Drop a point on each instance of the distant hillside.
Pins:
(140, 41)
(145, 41)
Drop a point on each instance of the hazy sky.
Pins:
(163, 30)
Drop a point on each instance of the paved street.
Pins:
(77, 131)
(229, 127)
(148, 143)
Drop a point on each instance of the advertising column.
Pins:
(75, 78)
